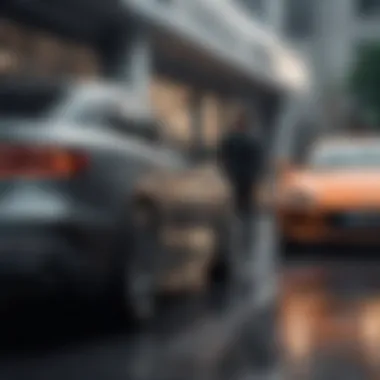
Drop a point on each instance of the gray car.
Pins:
(70, 158)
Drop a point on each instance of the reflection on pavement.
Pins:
(317, 322)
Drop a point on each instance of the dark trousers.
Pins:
(245, 211)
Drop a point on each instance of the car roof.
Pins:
(347, 142)
(37, 83)
(100, 88)
(25, 85)
(131, 105)
(128, 101)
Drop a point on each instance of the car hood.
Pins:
(335, 189)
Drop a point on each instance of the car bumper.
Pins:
(43, 260)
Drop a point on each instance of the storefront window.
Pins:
(12, 35)
(231, 111)
(8, 62)
(45, 55)
(84, 63)
(171, 105)
(36, 52)
(11, 47)
(211, 121)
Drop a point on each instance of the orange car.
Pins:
(334, 197)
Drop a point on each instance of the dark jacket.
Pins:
(240, 156)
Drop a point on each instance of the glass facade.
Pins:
(212, 120)
(171, 102)
(171, 105)
(27, 51)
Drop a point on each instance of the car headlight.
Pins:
(298, 199)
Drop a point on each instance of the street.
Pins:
(80, 343)
(197, 337)
(330, 320)
(114, 180)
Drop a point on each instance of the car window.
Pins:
(29, 101)
(146, 130)
(349, 157)
(87, 112)
(106, 113)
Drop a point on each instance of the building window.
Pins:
(299, 18)
(171, 104)
(40, 53)
(211, 121)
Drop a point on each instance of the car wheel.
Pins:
(138, 271)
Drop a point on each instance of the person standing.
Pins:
(240, 157)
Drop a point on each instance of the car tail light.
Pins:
(40, 161)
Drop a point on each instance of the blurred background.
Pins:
(110, 117)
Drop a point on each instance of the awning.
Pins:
(186, 61)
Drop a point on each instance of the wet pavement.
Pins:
(192, 336)
(57, 344)
(329, 325)
(330, 320)
(197, 337)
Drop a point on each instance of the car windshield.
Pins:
(346, 158)
(29, 102)
(78, 110)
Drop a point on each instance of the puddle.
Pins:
(330, 322)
